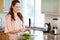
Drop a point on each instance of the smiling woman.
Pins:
(14, 21)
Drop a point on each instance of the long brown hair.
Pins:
(11, 11)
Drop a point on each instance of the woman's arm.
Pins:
(14, 31)
(17, 31)
(27, 29)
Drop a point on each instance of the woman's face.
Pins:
(16, 7)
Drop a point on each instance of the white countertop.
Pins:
(38, 35)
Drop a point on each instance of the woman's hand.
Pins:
(28, 29)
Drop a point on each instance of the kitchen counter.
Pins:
(38, 34)
(49, 36)
(35, 31)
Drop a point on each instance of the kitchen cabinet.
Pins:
(1, 5)
(58, 7)
(7, 4)
(49, 6)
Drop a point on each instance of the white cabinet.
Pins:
(7, 4)
(59, 7)
(49, 6)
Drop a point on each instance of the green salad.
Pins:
(26, 36)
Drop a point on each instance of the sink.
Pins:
(36, 28)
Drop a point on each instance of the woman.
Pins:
(14, 22)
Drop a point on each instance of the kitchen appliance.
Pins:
(47, 27)
(55, 29)
(55, 26)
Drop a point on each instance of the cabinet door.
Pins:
(49, 6)
(7, 4)
(1, 5)
(3, 36)
(58, 7)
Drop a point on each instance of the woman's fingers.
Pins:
(28, 29)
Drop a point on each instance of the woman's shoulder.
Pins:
(8, 15)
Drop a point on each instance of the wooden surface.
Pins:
(3, 36)
(1, 5)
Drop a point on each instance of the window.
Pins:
(32, 9)
(27, 9)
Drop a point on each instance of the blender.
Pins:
(55, 26)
